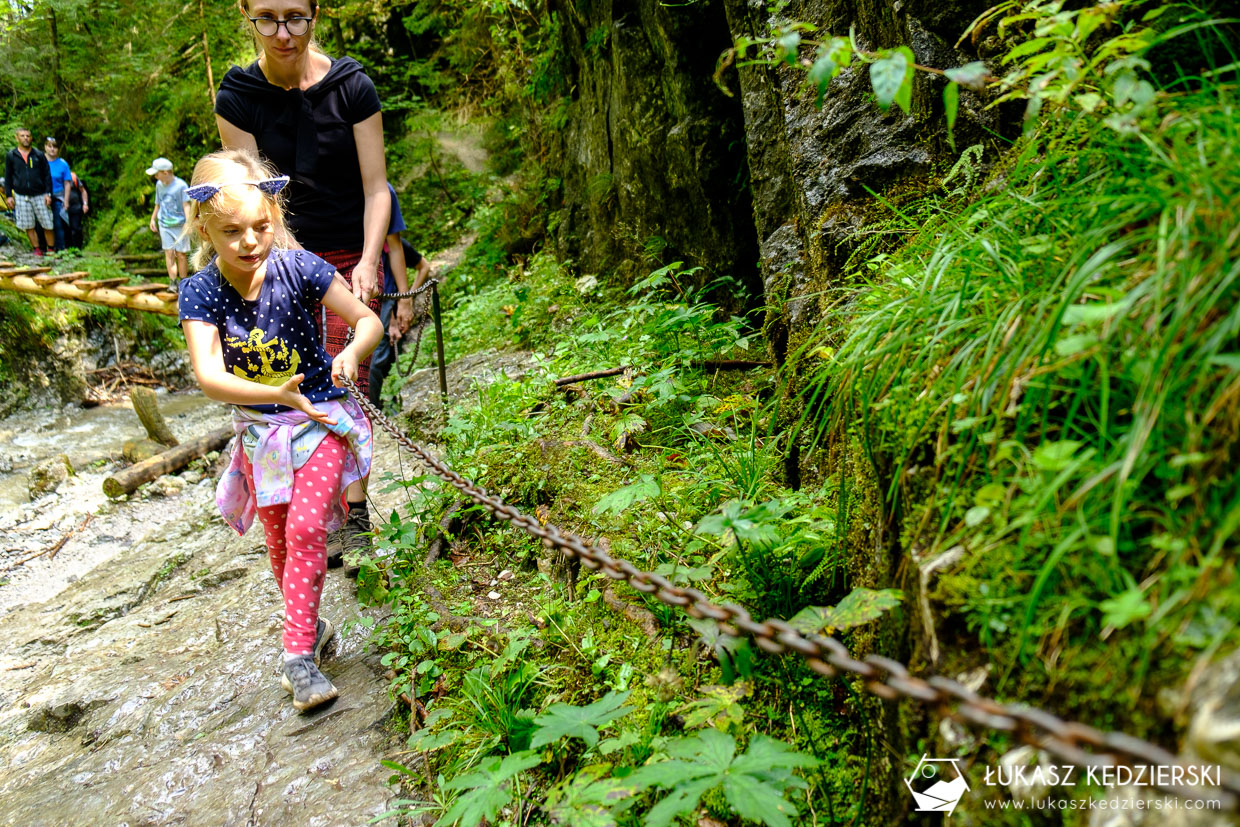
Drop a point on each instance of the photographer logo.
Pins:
(937, 784)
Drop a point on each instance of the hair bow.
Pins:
(205, 192)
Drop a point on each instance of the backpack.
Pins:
(75, 194)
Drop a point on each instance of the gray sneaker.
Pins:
(307, 684)
(323, 634)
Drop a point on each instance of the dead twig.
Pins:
(585, 377)
(61, 542)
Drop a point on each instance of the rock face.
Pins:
(820, 175)
(661, 165)
(654, 167)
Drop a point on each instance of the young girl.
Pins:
(249, 320)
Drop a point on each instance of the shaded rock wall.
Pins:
(816, 171)
(655, 163)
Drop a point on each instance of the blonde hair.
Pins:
(230, 166)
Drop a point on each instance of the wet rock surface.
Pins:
(146, 691)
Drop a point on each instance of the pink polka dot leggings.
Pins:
(297, 541)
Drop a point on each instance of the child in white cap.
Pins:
(169, 218)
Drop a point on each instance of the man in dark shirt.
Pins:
(28, 189)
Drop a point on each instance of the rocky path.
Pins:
(146, 692)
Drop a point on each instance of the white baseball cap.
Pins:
(159, 165)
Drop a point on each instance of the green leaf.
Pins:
(1125, 608)
(1092, 313)
(590, 798)
(951, 103)
(990, 494)
(1055, 456)
(648, 487)
(565, 720)
(719, 707)
(859, 607)
(1179, 492)
(970, 76)
(754, 783)
(487, 790)
(756, 800)
(1231, 361)
(887, 76)
(976, 515)
(904, 95)
(1072, 345)
(1088, 101)
(787, 47)
(820, 74)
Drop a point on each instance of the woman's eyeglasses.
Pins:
(295, 26)
(205, 192)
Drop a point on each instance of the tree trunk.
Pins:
(58, 84)
(127, 481)
(206, 53)
(147, 407)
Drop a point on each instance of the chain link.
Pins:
(409, 294)
(1075, 743)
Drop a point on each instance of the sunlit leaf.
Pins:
(568, 721)
(859, 607)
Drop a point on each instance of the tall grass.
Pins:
(1057, 366)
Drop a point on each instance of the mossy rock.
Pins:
(48, 475)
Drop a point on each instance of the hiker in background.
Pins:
(79, 206)
(28, 189)
(396, 314)
(168, 219)
(59, 169)
(250, 317)
(317, 119)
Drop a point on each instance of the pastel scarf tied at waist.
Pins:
(281, 448)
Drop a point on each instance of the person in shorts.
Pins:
(169, 218)
(28, 189)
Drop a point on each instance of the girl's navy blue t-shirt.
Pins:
(275, 337)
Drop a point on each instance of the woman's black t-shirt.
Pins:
(308, 136)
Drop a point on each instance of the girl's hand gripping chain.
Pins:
(344, 366)
(290, 395)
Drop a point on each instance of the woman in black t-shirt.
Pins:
(317, 120)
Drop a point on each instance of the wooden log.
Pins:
(24, 271)
(54, 278)
(95, 284)
(132, 289)
(95, 295)
(142, 256)
(7, 264)
(166, 296)
(147, 408)
(149, 272)
(127, 481)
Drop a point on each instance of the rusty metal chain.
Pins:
(409, 294)
(1075, 743)
(423, 316)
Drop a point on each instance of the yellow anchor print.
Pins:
(269, 354)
